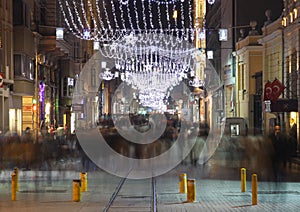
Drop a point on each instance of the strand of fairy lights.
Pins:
(99, 15)
(113, 10)
(64, 15)
(176, 17)
(72, 20)
(159, 17)
(144, 16)
(150, 15)
(84, 14)
(165, 2)
(182, 16)
(77, 13)
(168, 16)
(129, 17)
(184, 35)
(106, 16)
(122, 15)
(137, 17)
(115, 21)
(191, 19)
(104, 36)
(93, 18)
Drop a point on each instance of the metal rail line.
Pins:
(119, 187)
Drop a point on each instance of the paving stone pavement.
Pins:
(52, 191)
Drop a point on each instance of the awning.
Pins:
(285, 105)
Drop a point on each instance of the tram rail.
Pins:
(152, 206)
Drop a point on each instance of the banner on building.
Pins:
(273, 90)
(1, 79)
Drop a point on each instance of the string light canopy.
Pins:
(108, 20)
(151, 41)
(153, 68)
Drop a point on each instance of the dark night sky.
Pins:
(249, 10)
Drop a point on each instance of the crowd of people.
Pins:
(285, 145)
(58, 143)
(29, 150)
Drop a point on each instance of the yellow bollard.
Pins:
(76, 191)
(84, 181)
(254, 189)
(13, 187)
(182, 183)
(191, 190)
(243, 179)
(16, 171)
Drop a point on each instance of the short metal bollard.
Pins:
(243, 179)
(76, 191)
(84, 181)
(191, 190)
(254, 189)
(182, 183)
(13, 187)
(16, 171)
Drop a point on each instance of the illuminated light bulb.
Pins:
(175, 14)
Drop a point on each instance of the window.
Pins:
(65, 86)
(234, 130)
(93, 77)
(23, 66)
(76, 51)
(25, 16)
(43, 12)
(18, 12)
(31, 70)
(18, 65)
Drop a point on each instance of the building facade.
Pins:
(290, 63)
(9, 111)
(248, 87)
(45, 65)
(271, 40)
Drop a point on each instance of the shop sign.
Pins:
(77, 108)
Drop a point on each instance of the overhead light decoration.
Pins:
(110, 20)
(106, 75)
(223, 35)
(211, 2)
(86, 34)
(59, 33)
(147, 51)
(210, 55)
